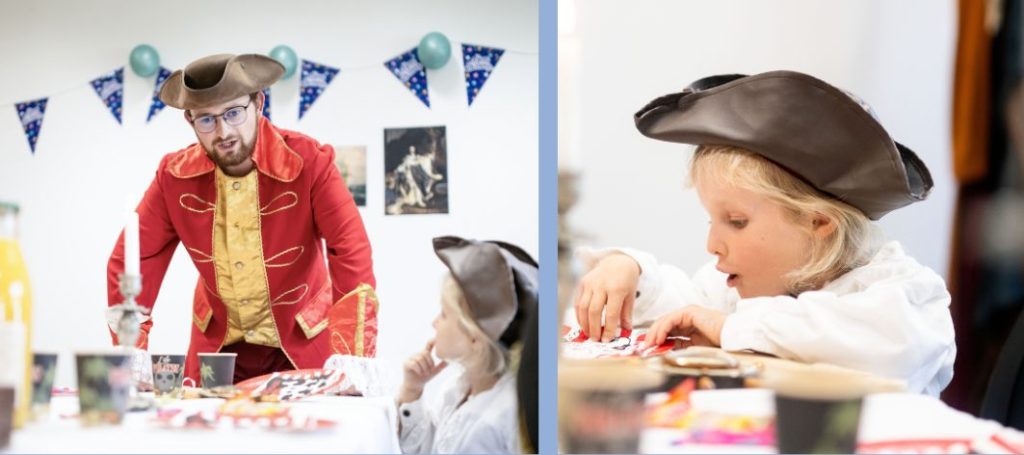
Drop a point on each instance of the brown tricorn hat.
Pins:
(218, 78)
(823, 134)
(498, 279)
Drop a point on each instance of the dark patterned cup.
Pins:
(601, 405)
(217, 369)
(806, 425)
(44, 368)
(168, 372)
(6, 416)
(104, 385)
(819, 412)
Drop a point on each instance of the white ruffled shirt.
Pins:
(487, 422)
(889, 317)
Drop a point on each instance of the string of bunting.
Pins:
(409, 67)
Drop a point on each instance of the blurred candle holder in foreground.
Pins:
(127, 317)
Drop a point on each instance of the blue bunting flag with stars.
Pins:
(408, 69)
(478, 62)
(31, 115)
(110, 88)
(315, 79)
(156, 105)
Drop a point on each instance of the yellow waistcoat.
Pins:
(238, 259)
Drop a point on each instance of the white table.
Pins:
(885, 417)
(365, 425)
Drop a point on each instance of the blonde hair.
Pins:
(853, 242)
(488, 356)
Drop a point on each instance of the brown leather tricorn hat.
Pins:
(498, 279)
(218, 78)
(821, 133)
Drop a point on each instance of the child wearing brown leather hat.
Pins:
(485, 300)
(792, 171)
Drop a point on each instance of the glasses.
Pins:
(234, 117)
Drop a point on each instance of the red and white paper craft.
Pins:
(1006, 440)
(914, 446)
(242, 413)
(1001, 441)
(293, 385)
(577, 345)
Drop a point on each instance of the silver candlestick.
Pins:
(131, 316)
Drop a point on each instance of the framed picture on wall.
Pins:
(415, 170)
(351, 162)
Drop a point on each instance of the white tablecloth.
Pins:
(365, 425)
(886, 417)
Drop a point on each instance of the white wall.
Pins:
(898, 56)
(72, 191)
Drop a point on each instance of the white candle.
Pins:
(131, 244)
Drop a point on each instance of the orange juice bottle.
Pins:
(16, 325)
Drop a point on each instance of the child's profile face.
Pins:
(450, 341)
(755, 241)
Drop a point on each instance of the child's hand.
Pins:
(610, 288)
(417, 371)
(702, 325)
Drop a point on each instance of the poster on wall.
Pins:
(351, 162)
(415, 170)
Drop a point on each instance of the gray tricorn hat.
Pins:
(498, 279)
(820, 133)
(218, 78)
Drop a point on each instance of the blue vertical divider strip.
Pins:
(548, 204)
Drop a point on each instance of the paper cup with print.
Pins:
(601, 405)
(44, 369)
(168, 372)
(819, 412)
(6, 415)
(104, 386)
(217, 369)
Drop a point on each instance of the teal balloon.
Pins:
(285, 56)
(144, 60)
(434, 50)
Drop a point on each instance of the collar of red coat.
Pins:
(272, 157)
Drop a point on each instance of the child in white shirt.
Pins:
(791, 172)
(484, 300)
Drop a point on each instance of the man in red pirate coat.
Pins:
(251, 203)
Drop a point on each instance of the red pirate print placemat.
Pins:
(292, 385)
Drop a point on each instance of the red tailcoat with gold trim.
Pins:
(302, 199)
